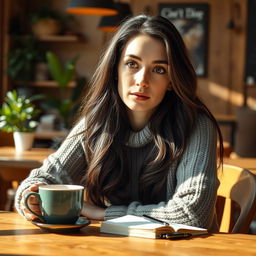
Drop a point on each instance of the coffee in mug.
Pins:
(59, 204)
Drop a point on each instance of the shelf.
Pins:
(225, 118)
(46, 83)
(60, 38)
(56, 38)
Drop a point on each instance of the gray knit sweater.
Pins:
(191, 184)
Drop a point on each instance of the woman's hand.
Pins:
(93, 212)
(32, 202)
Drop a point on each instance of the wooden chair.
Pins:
(236, 202)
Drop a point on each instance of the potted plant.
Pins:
(63, 75)
(18, 115)
(46, 21)
(23, 57)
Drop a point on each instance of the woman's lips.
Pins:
(140, 96)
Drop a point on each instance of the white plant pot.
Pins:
(23, 140)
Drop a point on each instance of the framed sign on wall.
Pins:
(191, 19)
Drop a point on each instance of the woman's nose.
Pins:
(141, 78)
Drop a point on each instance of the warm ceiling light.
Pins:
(111, 23)
(91, 7)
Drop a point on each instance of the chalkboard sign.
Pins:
(191, 19)
(250, 62)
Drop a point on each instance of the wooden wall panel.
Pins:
(4, 41)
(238, 54)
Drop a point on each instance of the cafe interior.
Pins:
(41, 40)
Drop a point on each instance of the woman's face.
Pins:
(143, 77)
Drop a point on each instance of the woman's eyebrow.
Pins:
(133, 56)
(155, 61)
(161, 62)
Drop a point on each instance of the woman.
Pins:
(144, 142)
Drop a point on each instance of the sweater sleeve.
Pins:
(65, 166)
(191, 188)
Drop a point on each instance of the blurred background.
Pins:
(51, 51)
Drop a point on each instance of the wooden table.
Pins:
(27, 159)
(20, 237)
(230, 121)
(15, 166)
(247, 163)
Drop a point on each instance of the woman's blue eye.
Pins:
(159, 70)
(131, 64)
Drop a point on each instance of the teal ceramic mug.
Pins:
(59, 204)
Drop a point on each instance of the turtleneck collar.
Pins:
(140, 138)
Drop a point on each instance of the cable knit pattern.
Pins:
(139, 139)
(191, 184)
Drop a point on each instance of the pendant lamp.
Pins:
(91, 7)
(111, 23)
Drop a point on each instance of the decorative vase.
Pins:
(23, 140)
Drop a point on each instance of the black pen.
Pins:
(176, 235)
(157, 220)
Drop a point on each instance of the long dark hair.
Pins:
(107, 126)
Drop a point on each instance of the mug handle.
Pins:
(41, 217)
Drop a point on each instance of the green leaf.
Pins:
(6, 110)
(62, 75)
(55, 67)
